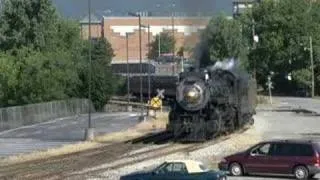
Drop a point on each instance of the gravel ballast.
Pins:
(209, 155)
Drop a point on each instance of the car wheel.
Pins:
(235, 169)
(301, 172)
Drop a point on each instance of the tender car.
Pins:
(178, 170)
(279, 157)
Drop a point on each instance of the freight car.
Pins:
(208, 102)
(133, 67)
(166, 82)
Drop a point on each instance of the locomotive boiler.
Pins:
(211, 101)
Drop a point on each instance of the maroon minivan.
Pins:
(279, 157)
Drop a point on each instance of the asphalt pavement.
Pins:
(61, 131)
(296, 102)
(287, 125)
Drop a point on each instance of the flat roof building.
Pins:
(114, 29)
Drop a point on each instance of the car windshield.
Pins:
(159, 167)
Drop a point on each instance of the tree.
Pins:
(103, 83)
(29, 23)
(167, 43)
(221, 39)
(8, 79)
(45, 59)
(283, 28)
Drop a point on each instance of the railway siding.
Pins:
(208, 152)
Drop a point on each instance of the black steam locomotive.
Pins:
(215, 100)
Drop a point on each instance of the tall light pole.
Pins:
(140, 54)
(149, 81)
(172, 23)
(128, 78)
(159, 44)
(311, 53)
(255, 41)
(312, 66)
(89, 131)
(159, 40)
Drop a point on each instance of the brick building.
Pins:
(96, 27)
(186, 33)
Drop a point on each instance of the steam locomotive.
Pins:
(215, 100)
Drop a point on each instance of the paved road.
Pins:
(61, 131)
(306, 103)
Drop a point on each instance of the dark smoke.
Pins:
(202, 55)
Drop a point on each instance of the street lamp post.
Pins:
(90, 130)
(140, 54)
(128, 78)
(159, 40)
(310, 49)
(159, 45)
(312, 67)
(173, 47)
(149, 80)
(255, 41)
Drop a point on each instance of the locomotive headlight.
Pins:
(192, 95)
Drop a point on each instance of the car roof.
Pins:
(191, 165)
(186, 161)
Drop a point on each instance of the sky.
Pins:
(79, 8)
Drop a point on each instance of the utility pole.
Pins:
(254, 47)
(140, 57)
(312, 66)
(149, 63)
(89, 131)
(159, 45)
(173, 46)
(128, 77)
(270, 86)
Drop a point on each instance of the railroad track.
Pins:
(155, 138)
(162, 151)
(115, 155)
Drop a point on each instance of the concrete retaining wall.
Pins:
(17, 116)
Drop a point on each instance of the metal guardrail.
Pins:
(135, 104)
(127, 103)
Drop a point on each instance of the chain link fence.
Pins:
(17, 116)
